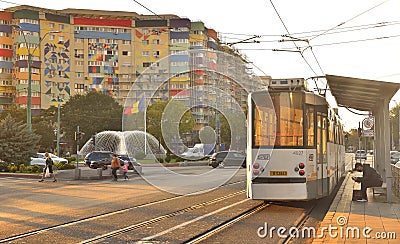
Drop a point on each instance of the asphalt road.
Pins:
(141, 210)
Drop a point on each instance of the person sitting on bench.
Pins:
(370, 178)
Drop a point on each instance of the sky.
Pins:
(357, 27)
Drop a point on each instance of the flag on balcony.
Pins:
(137, 107)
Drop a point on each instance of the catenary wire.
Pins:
(287, 30)
(323, 33)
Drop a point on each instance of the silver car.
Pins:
(361, 154)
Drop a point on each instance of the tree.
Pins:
(237, 123)
(154, 117)
(17, 143)
(394, 126)
(93, 112)
(44, 124)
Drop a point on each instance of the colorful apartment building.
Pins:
(7, 90)
(76, 51)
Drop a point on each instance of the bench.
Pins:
(381, 190)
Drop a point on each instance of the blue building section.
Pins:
(179, 35)
(179, 58)
(30, 27)
(6, 65)
(6, 28)
(103, 35)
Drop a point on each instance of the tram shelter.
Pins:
(372, 96)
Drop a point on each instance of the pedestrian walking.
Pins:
(370, 178)
(125, 170)
(49, 166)
(115, 165)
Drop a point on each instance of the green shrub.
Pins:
(22, 168)
(160, 160)
(3, 167)
(168, 158)
(36, 169)
(12, 168)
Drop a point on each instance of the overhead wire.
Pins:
(338, 30)
(149, 9)
(325, 44)
(323, 33)
(287, 30)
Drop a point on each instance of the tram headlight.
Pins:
(256, 172)
(301, 165)
(256, 165)
(301, 172)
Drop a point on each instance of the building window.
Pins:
(61, 38)
(79, 74)
(51, 37)
(145, 53)
(146, 64)
(79, 88)
(125, 53)
(51, 25)
(156, 54)
(126, 42)
(79, 63)
(79, 40)
(156, 41)
(61, 27)
(145, 42)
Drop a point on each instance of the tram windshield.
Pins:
(280, 123)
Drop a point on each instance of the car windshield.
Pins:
(95, 156)
(396, 155)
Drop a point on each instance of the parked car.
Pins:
(227, 158)
(133, 164)
(98, 159)
(361, 154)
(394, 158)
(370, 152)
(40, 159)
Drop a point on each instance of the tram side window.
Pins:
(264, 126)
(289, 113)
(310, 126)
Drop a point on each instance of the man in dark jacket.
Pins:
(370, 178)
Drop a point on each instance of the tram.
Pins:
(295, 143)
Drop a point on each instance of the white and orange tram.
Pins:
(295, 144)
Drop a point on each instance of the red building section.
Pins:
(102, 22)
(5, 15)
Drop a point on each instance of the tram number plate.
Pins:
(278, 173)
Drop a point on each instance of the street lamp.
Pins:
(29, 99)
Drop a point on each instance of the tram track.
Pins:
(215, 230)
(121, 211)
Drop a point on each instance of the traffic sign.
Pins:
(368, 123)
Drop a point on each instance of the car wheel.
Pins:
(104, 167)
(214, 164)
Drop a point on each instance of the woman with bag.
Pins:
(49, 165)
(115, 165)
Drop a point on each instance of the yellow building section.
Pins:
(24, 51)
(7, 89)
(196, 38)
(180, 79)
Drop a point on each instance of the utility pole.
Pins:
(58, 126)
(399, 128)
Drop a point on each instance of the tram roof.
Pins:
(361, 94)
